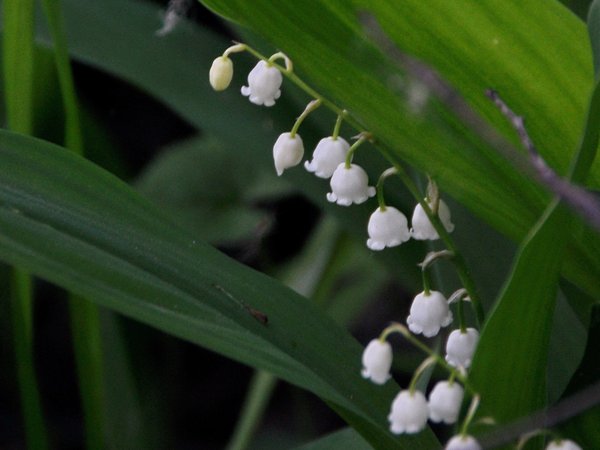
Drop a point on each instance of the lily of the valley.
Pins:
(349, 185)
(409, 412)
(264, 82)
(287, 152)
(422, 229)
(460, 347)
(428, 313)
(221, 73)
(377, 361)
(444, 402)
(462, 442)
(387, 228)
(329, 153)
(563, 444)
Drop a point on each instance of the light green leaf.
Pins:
(533, 66)
(79, 227)
(346, 438)
(509, 367)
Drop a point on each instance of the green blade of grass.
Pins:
(18, 67)
(85, 320)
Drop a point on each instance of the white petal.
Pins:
(428, 313)
(387, 228)
(377, 361)
(460, 347)
(444, 402)
(459, 442)
(409, 412)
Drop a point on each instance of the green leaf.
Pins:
(346, 438)
(201, 182)
(593, 22)
(509, 367)
(79, 227)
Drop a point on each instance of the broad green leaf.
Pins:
(534, 65)
(509, 367)
(346, 438)
(583, 428)
(79, 227)
(201, 182)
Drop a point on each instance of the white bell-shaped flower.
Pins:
(221, 73)
(329, 153)
(409, 412)
(429, 313)
(287, 152)
(377, 361)
(462, 442)
(387, 228)
(460, 347)
(422, 229)
(264, 82)
(349, 185)
(444, 402)
(563, 444)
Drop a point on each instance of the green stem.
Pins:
(309, 108)
(31, 404)
(461, 316)
(259, 393)
(380, 197)
(18, 71)
(85, 321)
(363, 137)
(338, 125)
(470, 414)
(426, 281)
(418, 372)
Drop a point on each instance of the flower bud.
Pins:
(287, 152)
(444, 402)
(460, 442)
(422, 229)
(328, 154)
(221, 73)
(349, 185)
(264, 82)
(428, 313)
(377, 361)
(387, 228)
(460, 347)
(409, 412)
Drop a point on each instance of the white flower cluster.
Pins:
(332, 159)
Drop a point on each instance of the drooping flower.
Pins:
(387, 228)
(422, 229)
(328, 155)
(460, 347)
(444, 402)
(264, 82)
(287, 151)
(377, 361)
(462, 442)
(429, 313)
(409, 412)
(349, 185)
(563, 444)
(221, 72)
